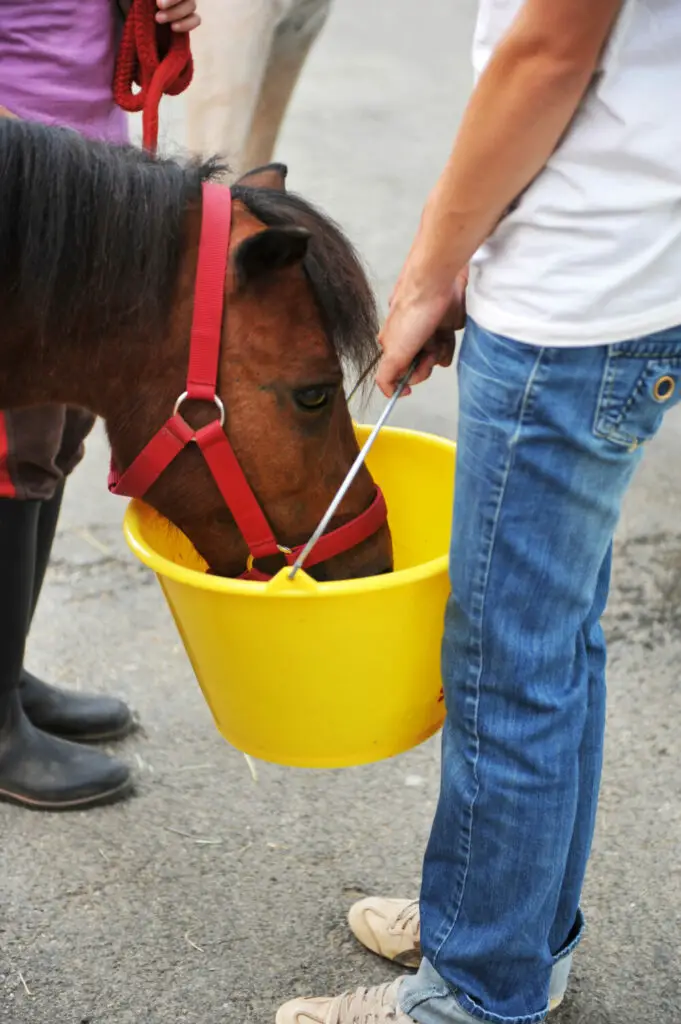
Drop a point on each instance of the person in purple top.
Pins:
(57, 62)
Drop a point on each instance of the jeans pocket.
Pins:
(639, 386)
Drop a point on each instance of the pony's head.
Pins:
(298, 313)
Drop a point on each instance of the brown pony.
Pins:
(98, 253)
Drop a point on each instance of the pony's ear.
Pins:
(270, 250)
(269, 176)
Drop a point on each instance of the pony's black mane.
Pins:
(90, 234)
(91, 238)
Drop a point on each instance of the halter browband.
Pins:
(176, 433)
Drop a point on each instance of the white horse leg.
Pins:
(231, 49)
(291, 45)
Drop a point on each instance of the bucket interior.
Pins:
(416, 474)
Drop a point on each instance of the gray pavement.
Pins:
(211, 899)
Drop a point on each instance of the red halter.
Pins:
(176, 434)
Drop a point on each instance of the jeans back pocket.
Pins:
(641, 382)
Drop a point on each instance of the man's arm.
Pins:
(521, 106)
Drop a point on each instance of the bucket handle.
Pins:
(283, 581)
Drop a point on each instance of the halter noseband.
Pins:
(176, 433)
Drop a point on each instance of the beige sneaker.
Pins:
(365, 1006)
(376, 1005)
(392, 929)
(389, 928)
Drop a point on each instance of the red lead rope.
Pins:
(154, 58)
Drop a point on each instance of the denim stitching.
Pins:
(569, 950)
(603, 427)
(610, 430)
(468, 828)
(670, 353)
(432, 992)
(637, 390)
(493, 1018)
(466, 1006)
(605, 393)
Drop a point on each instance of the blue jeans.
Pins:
(548, 442)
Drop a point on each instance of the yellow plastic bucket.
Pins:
(323, 675)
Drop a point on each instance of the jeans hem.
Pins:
(468, 1006)
(429, 999)
(471, 1009)
(568, 950)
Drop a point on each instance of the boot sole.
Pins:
(83, 803)
(92, 737)
(108, 736)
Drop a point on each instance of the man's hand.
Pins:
(421, 323)
(179, 14)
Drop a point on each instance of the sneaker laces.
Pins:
(410, 917)
(376, 1005)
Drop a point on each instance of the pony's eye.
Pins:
(312, 399)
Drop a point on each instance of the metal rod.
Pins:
(354, 470)
(362, 380)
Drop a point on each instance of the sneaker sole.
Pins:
(83, 803)
(411, 959)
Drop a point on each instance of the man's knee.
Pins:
(78, 424)
(39, 446)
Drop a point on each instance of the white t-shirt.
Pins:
(591, 253)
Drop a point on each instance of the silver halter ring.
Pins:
(217, 402)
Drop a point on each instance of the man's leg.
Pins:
(391, 927)
(59, 455)
(67, 713)
(568, 921)
(539, 489)
(36, 769)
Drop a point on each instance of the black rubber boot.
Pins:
(37, 770)
(66, 713)
(48, 517)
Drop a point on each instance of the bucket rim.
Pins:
(303, 585)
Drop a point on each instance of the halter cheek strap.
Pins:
(176, 433)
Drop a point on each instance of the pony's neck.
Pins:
(114, 374)
(58, 369)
